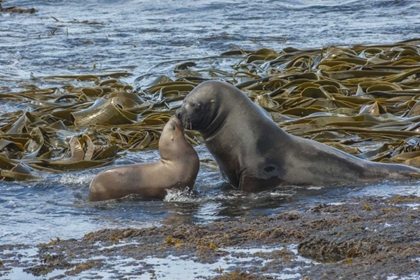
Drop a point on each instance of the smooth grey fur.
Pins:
(255, 154)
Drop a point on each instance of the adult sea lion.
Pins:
(177, 169)
(254, 154)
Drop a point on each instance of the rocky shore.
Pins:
(361, 238)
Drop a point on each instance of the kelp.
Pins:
(74, 128)
(17, 10)
(104, 111)
(360, 99)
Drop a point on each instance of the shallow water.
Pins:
(150, 37)
(174, 267)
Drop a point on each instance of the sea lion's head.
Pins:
(200, 106)
(177, 153)
(172, 130)
(172, 138)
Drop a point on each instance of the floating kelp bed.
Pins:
(360, 99)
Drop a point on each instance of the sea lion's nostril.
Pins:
(269, 169)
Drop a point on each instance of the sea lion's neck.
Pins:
(214, 126)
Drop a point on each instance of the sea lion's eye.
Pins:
(172, 127)
(198, 105)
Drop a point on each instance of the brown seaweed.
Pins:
(360, 99)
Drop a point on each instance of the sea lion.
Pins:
(177, 169)
(255, 154)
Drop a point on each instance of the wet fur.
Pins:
(177, 169)
(255, 154)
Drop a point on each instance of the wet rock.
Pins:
(237, 275)
(363, 238)
(288, 216)
(388, 230)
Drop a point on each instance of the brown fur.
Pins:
(177, 169)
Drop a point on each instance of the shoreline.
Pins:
(364, 238)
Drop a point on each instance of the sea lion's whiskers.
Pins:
(189, 124)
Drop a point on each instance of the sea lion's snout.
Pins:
(179, 114)
(176, 122)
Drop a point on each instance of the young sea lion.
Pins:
(177, 169)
